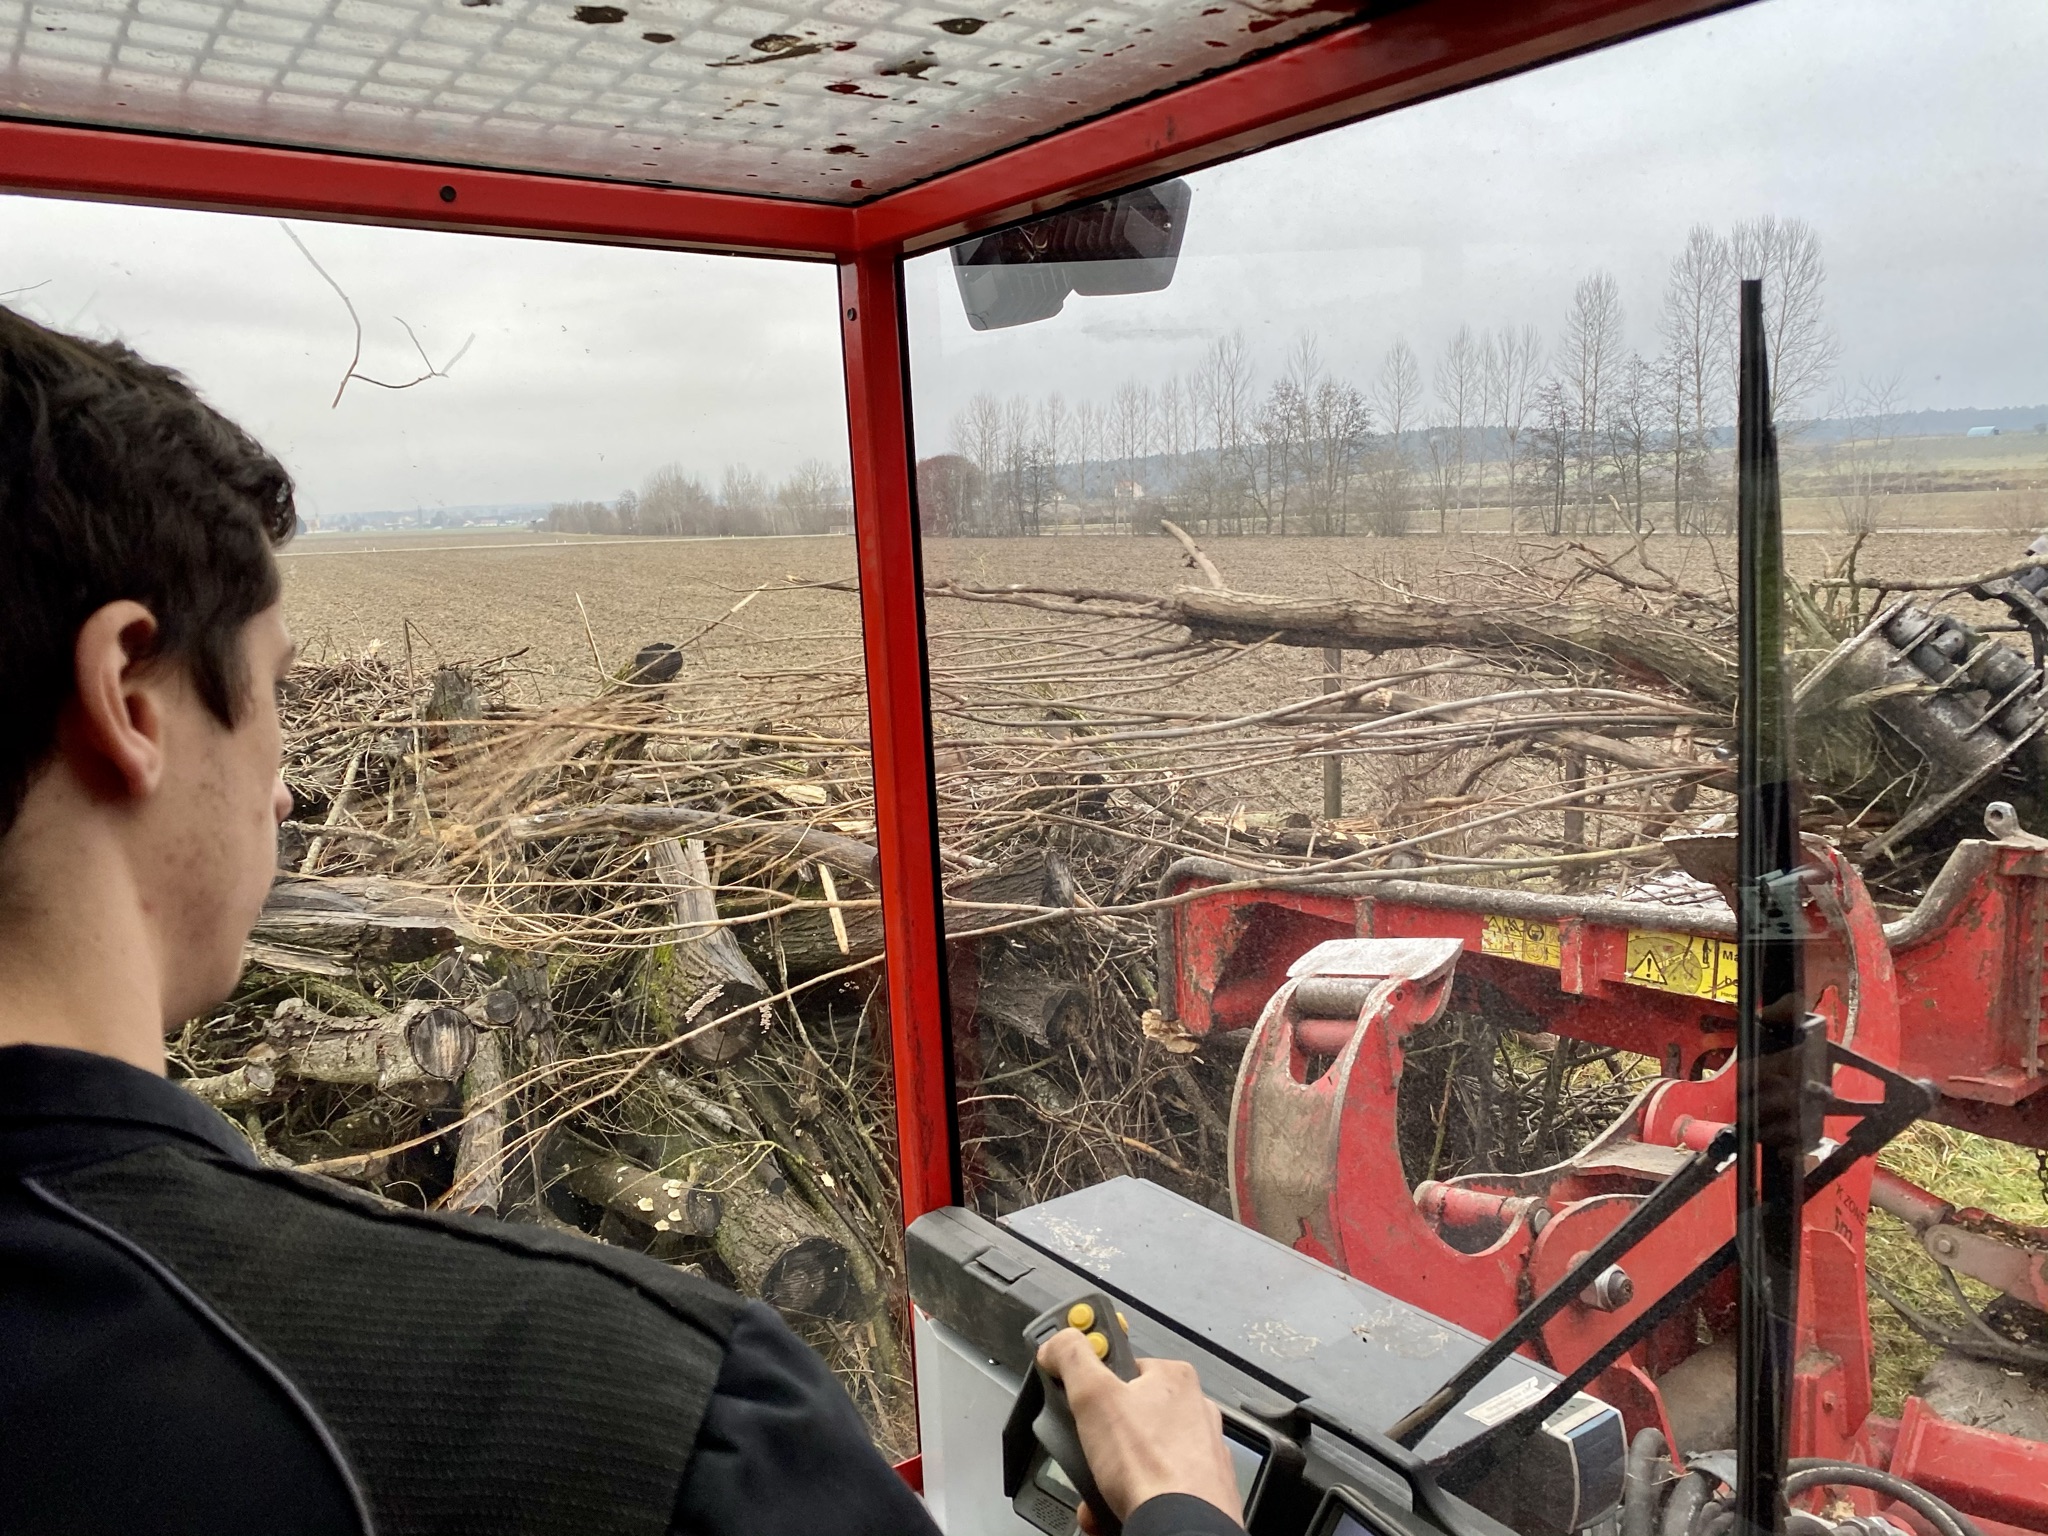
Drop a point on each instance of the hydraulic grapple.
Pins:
(1333, 980)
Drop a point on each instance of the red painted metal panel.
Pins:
(1341, 76)
(906, 828)
(203, 173)
(1982, 1473)
(1420, 51)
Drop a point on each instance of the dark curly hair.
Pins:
(118, 481)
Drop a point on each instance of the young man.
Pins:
(193, 1343)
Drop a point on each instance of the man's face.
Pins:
(214, 825)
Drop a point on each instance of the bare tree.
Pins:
(1221, 391)
(1695, 324)
(1802, 348)
(1021, 511)
(1398, 392)
(1556, 415)
(674, 501)
(1630, 435)
(1087, 445)
(1340, 422)
(1587, 362)
(742, 502)
(1280, 469)
(1176, 429)
(1130, 428)
(1864, 469)
(1512, 363)
(1397, 399)
(1459, 374)
(948, 490)
(813, 499)
(1054, 425)
(978, 437)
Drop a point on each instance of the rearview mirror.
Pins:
(1124, 244)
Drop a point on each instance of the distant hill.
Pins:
(435, 517)
(2007, 418)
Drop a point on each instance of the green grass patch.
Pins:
(1966, 1170)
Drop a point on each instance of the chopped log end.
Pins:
(501, 1007)
(1048, 1009)
(811, 1279)
(442, 1041)
(702, 1211)
(722, 1044)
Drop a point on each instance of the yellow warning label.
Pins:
(1696, 964)
(1519, 938)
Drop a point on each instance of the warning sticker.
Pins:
(1519, 938)
(1695, 964)
(1503, 1406)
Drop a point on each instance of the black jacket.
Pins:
(191, 1343)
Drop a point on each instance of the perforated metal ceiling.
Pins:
(836, 100)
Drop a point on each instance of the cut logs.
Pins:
(1606, 634)
(254, 1082)
(480, 1154)
(701, 986)
(775, 1245)
(638, 1195)
(1046, 1007)
(808, 944)
(324, 926)
(416, 1054)
(455, 697)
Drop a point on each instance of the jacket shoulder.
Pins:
(478, 1375)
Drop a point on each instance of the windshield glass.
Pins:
(582, 828)
(1334, 677)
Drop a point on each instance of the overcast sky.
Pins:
(1911, 136)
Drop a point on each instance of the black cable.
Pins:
(1969, 1310)
(2000, 1352)
(1807, 1473)
(1716, 1516)
(1645, 1470)
(1682, 1505)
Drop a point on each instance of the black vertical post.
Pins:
(1770, 1007)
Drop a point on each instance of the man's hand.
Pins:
(1155, 1435)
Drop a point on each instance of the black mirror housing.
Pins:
(1124, 244)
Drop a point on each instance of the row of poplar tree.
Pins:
(1576, 434)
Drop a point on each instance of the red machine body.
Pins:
(1333, 980)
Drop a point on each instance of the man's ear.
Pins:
(118, 709)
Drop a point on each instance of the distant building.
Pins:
(1982, 432)
(1128, 490)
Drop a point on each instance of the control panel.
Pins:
(1308, 1365)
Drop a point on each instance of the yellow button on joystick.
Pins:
(1123, 1322)
(1081, 1315)
(1099, 1342)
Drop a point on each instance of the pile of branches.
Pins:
(612, 963)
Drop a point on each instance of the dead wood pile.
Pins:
(613, 964)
